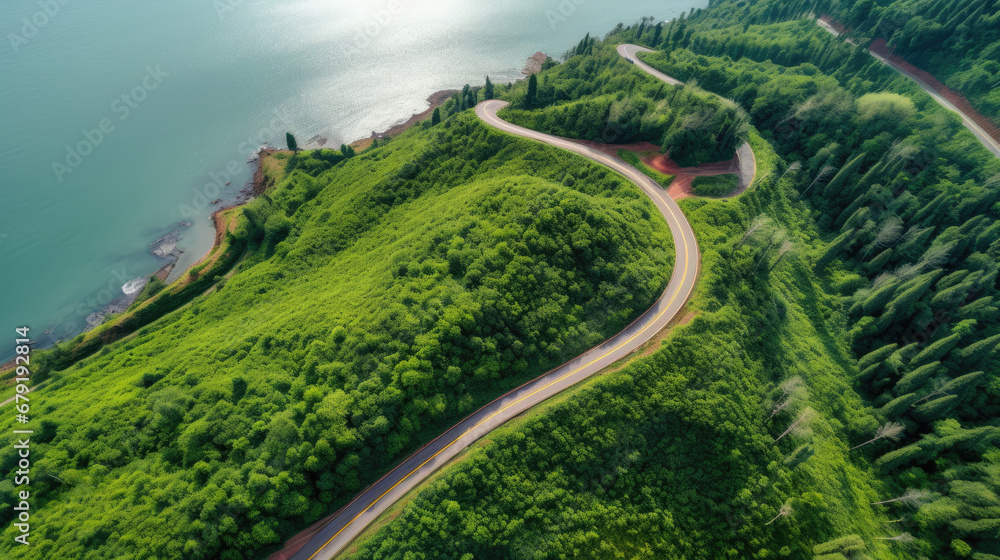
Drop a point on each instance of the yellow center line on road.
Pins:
(666, 308)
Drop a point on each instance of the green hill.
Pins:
(835, 398)
(380, 300)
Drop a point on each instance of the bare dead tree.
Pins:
(695, 120)
(793, 168)
(888, 233)
(785, 511)
(912, 497)
(758, 223)
(889, 430)
(803, 419)
(786, 248)
(823, 174)
(898, 151)
(780, 407)
(907, 271)
(779, 237)
(881, 279)
(938, 389)
(905, 538)
(936, 255)
(61, 481)
(791, 390)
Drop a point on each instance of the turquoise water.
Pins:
(122, 118)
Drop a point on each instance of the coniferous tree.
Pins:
(532, 96)
(917, 378)
(835, 184)
(935, 409)
(657, 34)
(293, 145)
(488, 90)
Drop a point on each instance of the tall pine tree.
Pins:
(488, 90)
(532, 97)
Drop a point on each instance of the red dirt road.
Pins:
(664, 164)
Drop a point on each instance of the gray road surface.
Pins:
(333, 537)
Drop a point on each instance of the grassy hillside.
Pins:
(380, 298)
(836, 396)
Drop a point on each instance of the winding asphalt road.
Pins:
(630, 52)
(346, 524)
(748, 162)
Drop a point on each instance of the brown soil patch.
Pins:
(295, 543)
(684, 176)
(664, 164)
(261, 181)
(650, 155)
(833, 24)
(680, 187)
(165, 271)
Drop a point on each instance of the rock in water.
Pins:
(165, 246)
(535, 63)
(131, 291)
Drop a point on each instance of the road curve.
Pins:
(747, 159)
(352, 519)
(630, 52)
(336, 534)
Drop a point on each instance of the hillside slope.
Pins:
(837, 395)
(380, 300)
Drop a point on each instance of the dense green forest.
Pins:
(836, 396)
(958, 41)
(594, 97)
(381, 298)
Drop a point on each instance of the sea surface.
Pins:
(122, 119)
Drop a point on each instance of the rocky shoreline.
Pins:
(166, 246)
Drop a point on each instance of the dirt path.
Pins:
(977, 123)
